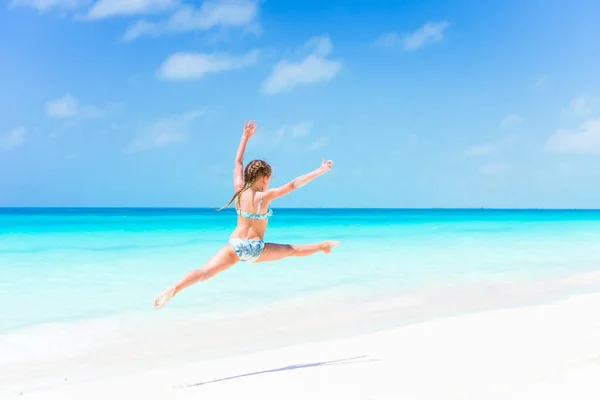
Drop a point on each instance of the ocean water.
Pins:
(76, 282)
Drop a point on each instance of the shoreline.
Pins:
(547, 350)
(105, 349)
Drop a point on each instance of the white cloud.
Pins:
(211, 14)
(579, 106)
(494, 168)
(141, 28)
(585, 140)
(299, 130)
(165, 131)
(13, 139)
(314, 68)
(511, 120)
(45, 5)
(430, 33)
(187, 66)
(68, 107)
(112, 8)
(318, 143)
(194, 114)
(296, 137)
(480, 150)
(287, 75)
(390, 40)
(319, 46)
(90, 111)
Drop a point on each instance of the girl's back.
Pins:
(253, 215)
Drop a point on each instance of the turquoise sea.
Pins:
(76, 282)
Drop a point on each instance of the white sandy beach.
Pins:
(547, 351)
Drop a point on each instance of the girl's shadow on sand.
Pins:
(352, 360)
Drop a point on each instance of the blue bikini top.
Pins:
(256, 215)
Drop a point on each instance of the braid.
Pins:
(237, 194)
(242, 190)
(254, 170)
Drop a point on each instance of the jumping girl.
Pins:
(253, 204)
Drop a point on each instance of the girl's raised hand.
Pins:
(249, 128)
(326, 165)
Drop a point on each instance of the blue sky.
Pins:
(420, 104)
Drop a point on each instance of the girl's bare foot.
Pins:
(328, 245)
(164, 297)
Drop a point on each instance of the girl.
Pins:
(253, 205)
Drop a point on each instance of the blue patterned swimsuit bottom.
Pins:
(247, 249)
(250, 249)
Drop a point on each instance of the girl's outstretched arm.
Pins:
(238, 171)
(298, 182)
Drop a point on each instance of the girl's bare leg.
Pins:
(225, 258)
(274, 252)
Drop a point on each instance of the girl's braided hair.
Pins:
(255, 170)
